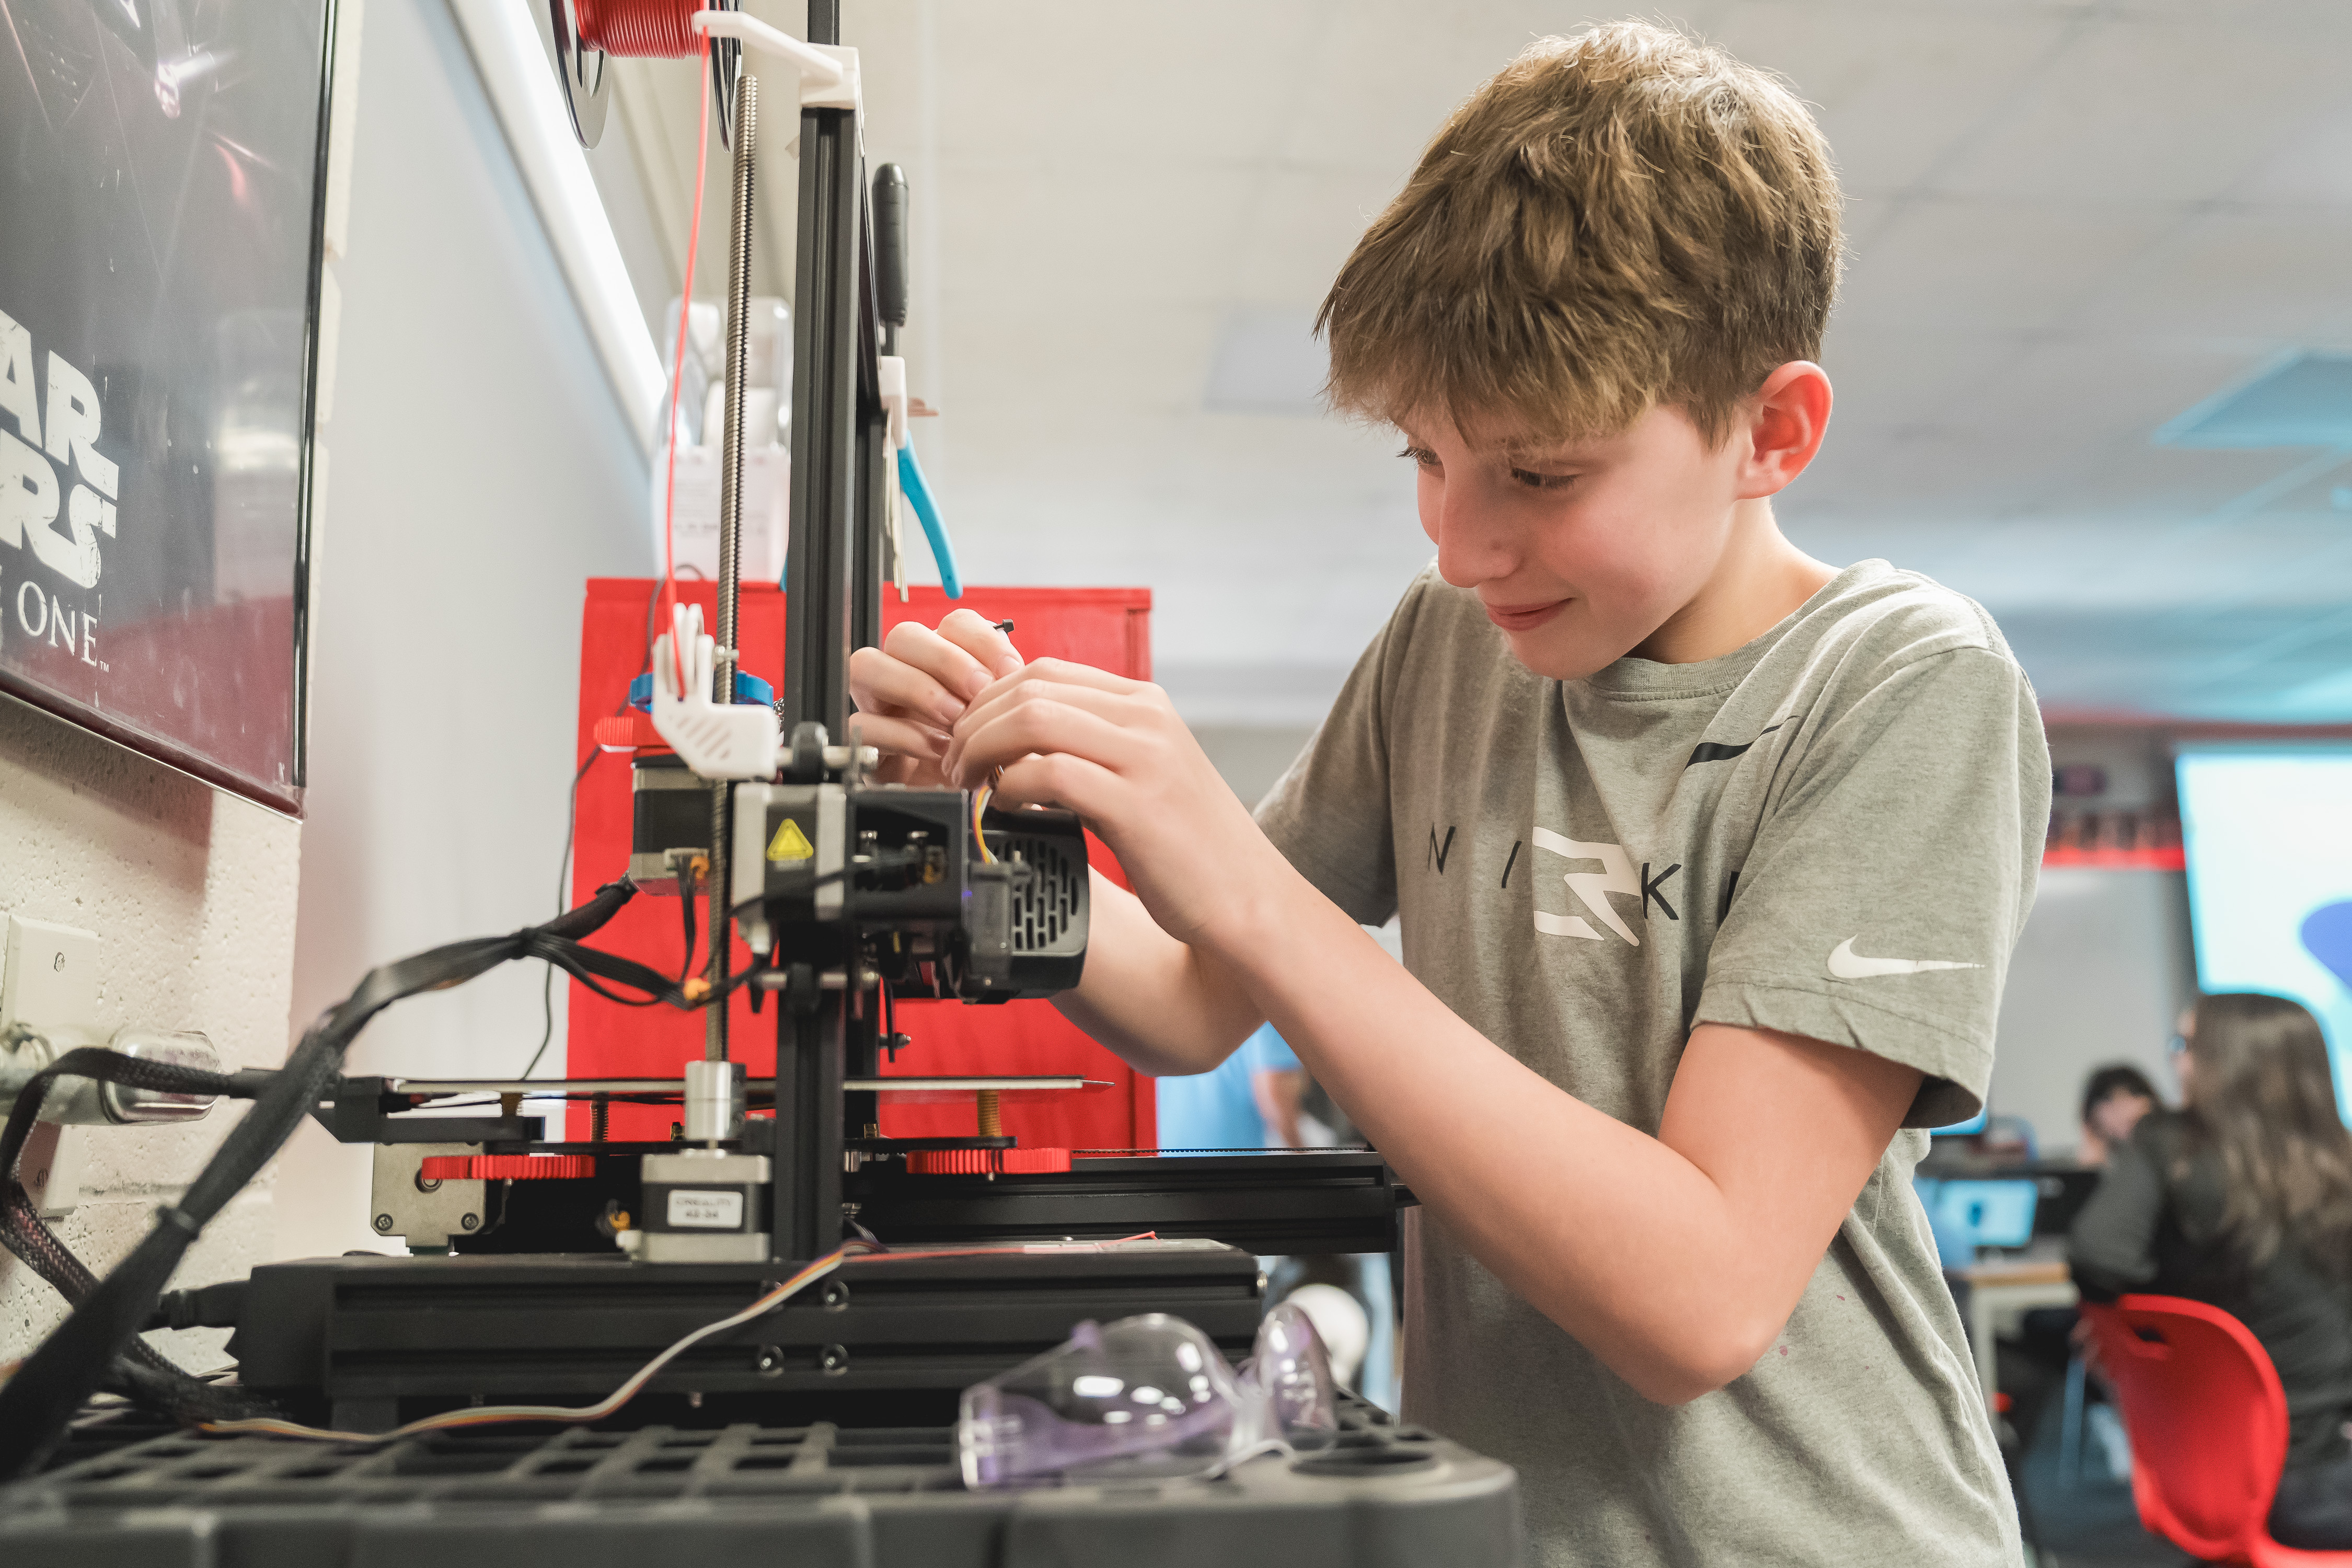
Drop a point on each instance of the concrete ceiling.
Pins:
(2071, 221)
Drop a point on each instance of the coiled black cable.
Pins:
(140, 1373)
(87, 1351)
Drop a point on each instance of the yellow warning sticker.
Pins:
(790, 844)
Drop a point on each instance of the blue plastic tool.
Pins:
(919, 496)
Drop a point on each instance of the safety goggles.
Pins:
(1150, 1396)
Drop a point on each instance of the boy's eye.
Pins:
(1421, 455)
(1536, 482)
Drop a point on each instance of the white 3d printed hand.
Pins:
(734, 742)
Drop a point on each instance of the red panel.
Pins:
(606, 1039)
(1108, 627)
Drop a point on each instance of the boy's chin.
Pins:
(1562, 652)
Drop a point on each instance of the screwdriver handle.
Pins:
(891, 245)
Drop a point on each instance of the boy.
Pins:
(1709, 856)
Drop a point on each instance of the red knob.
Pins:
(1022, 1162)
(986, 1162)
(951, 1161)
(507, 1167)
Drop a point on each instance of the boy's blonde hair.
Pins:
(1623, 218)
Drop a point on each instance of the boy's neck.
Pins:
(1760, 581)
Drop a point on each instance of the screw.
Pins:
(833, 1360)
(835, 1298)
(384, 1223)
(769, 1361)
(470, 1221)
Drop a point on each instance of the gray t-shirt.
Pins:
(1833, 831)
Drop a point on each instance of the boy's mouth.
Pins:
(1524, 618)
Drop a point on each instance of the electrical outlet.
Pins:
(51, 1168)
(48, 978)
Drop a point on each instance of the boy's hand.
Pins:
(1113, 750)
(912, 690)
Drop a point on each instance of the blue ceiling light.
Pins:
(2303, 398)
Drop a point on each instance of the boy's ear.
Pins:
(1785, 422)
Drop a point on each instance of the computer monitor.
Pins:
(1994, 1213)
(2270, 878)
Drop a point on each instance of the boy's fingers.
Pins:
(902, 737)
(1041, 728)
(882, 684)
(1109, 708)
(1067, 672)
(960, 675)
(977, 635)
(1071, 783)
(900, 770)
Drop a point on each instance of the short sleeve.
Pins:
(1269, 1052)
(1892, 874)
(1328, 814)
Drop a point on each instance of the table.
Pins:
(2006, 1288)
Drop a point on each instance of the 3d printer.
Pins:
(548, 1269)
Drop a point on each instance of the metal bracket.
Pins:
(829, 78)
(364, 1111)
(426, 1213)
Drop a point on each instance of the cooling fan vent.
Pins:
(1045, 905)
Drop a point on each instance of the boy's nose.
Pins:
(1473, 547)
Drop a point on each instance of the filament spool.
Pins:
(589, 34)
(639, 30)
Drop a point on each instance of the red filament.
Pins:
(640, 29)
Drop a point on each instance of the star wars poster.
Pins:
(160, 182)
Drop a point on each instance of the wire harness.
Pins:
(88, 1351)
(490, 1414)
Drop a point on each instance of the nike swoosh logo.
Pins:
(1716, 752)
(1847, 964)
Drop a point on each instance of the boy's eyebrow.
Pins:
(1535, 451)
(1529, 449)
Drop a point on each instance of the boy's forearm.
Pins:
(1671, 1278)
(1164, 1007)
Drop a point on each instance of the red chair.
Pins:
(2208, 1426)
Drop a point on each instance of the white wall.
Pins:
(481, 472)
(1251, 758)
(2104, 969)
(192, 895)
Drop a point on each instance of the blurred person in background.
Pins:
(2115, 1098)
(1250, 1101)
(1256, 1100)
(2244, 1199)
(2033, 1360)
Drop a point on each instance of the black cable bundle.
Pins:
(88, 1350)
(140, 1373)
